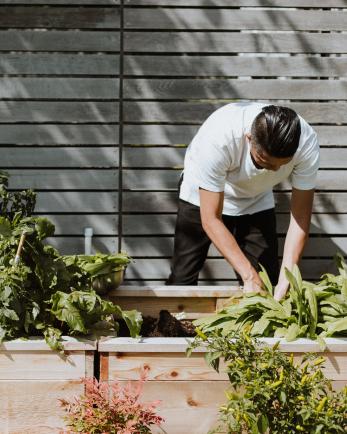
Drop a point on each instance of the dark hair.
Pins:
(277, 130)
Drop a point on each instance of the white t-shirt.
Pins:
(218, 159)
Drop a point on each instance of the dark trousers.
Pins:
(255, 234)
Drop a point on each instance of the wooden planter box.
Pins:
(33, 378)
(191, 392)
(194, 301)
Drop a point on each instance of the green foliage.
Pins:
(269, 393)
(310, 310)
(43, 295)
(99, 264)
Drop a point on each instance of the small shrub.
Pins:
(111, 409)
(269, 392)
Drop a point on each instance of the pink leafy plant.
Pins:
(110, 408)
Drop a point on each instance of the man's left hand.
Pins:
(281, 290)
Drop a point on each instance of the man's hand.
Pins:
(252, 284)
(281, 290)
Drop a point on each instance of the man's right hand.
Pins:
(253, 284)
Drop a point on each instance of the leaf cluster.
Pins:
(269, 393)
(313, 310)
(44, 295)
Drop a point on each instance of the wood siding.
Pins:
(100, 98)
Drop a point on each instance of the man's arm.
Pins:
(297, 235)
(211, 207)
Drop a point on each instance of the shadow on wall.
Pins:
(174, 78)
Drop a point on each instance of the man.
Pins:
(239, 153)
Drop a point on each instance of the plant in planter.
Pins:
(112, 409)
(270, 393)
(42, 295)
(310, 310)
(105, 271)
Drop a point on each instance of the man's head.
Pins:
(275, 135)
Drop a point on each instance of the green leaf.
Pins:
(336, 326)
(212, 359)
(266, 280)
(260, 326)
(312, 301)
(293, 332)
(133, 320)
(44, 227)
(262, 423)
(5, 228)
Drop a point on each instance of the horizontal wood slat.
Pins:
(156, 247)
(196, 112)
(59, 17)
(183, 134)
(235, 3)
(60, 64)
(233, 88)
(59, 88)
(161, 179)
(64, 179)
(224, 42)
(166, 202)
(75, 245)
(58, 111)
(51, 135)
(164, 224)
(63, 2)
(74, 224)
(234, 66)
(59, 40)
(77, 202)
(86, 157)
(212, 19)
(219, 269)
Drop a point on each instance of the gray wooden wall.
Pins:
(88, 86)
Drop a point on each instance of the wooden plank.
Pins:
(166, 202)
(188, 291)
(196, 112)
(212, 19)
(63, 2)
(74, 224)
(41, 365)
(38, 344)
(179, 345)
(59, 17)
(173, 157)
(138, 247)
(43, 415)
(165, 179)
(59, 179)
(76, 202)
(237, 3)
(86, 157)
(58, 111)
(59, 40)
(60, 88)
(193, 308)
(181, 135)
(59, 64)
(51, 135)
(73, 245)
(224, 42)
(202, 283)
(219, 269)
(234, 88)
(228, 66)
(177, 367)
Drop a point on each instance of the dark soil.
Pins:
(166, 326)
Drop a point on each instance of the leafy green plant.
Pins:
(42, 295)
(103, 269)
(112, 409)
(310, 310)
(269, 393)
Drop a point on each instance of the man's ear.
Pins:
(248, 135)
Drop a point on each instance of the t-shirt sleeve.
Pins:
(304, 175)
(212, 157)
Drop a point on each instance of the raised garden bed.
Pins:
(194, 301)
(190, 391)
(33, 378)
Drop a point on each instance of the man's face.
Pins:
(262, 160)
